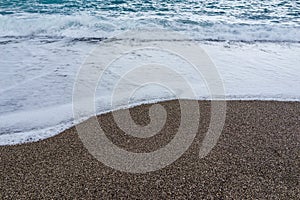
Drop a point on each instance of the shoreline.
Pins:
(36, 135)
(256, 155)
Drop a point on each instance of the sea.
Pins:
(254, 45)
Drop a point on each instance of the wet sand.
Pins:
(257, 156)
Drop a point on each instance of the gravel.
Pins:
(257, 156)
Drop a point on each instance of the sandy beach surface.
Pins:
(257, 156)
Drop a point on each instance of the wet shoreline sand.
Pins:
(257, 156)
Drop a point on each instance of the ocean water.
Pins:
(255, 46)
(254, 20)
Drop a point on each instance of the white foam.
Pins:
(84, 25)
(36, 89)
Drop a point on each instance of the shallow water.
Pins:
(254, 45)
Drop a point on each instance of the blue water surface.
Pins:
(242, 20)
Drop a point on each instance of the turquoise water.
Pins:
(269, 10)
(255, 20)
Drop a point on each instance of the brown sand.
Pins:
(257, 156)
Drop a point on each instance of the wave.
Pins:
(37, 80)
(50, 39)
(94, 29)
